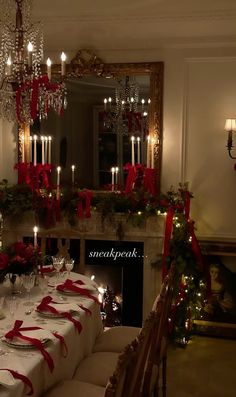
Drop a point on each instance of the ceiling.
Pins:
(135, 24)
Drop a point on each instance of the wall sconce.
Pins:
(230, 126)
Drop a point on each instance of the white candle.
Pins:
(73, 174)
(138, 149)
(109, 101)
(112, 178)
(46, 149)
(132, 150)
(148, 151)
(35, 149)
(30, 54)
(9, 66)
(58, 175)
(30, 149)
(58, 182)
(116, 175)
(63, 64)
(49, 150)
(35, 229)
(43, 140)
(152, 152)
(49, 69)
(105, 104)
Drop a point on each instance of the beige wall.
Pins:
(199, 93)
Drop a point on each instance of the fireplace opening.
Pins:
(118, 265)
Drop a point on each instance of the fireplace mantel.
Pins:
(150, 232)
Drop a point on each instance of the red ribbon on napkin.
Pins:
(73, 286)
(45, 306)
(62, 342)
(25, 380)
(16, 332)
(87, 311)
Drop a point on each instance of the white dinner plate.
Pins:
(23, 344)
(53, 315)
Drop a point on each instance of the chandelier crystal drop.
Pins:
(25, 93)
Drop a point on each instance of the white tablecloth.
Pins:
(30, 362)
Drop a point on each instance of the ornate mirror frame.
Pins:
(86, 62)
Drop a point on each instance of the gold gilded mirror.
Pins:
(78, 138)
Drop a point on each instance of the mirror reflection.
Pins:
(104, 127)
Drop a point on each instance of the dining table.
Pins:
(44, 337)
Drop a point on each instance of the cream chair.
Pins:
(126, 380)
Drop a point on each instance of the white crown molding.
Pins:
(217, 15)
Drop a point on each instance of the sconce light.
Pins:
(230, 126)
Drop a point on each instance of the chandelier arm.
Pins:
(230, 155)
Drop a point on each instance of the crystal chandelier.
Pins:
(127, 113)
(25, 93)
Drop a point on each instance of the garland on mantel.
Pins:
(73, 204)
(180, 242)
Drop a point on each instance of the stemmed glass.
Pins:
(43, 283)
(58, 263)
(12, 304)
(69, 264)
(28, 283)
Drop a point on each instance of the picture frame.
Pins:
(218, 309)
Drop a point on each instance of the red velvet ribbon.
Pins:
(45, 306)
(23, 378)
(167, 237)
(34, 86)
(23, 173)
(134, 120)
(63, 344)
(84, 204)
(74, 286)
(131, 177)
(16, 332)
(195, 247)
(87, 311)
(149, 181)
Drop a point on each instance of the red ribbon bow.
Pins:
(23, 378)
(16, 332)
(149, 181)
(74, 286)
(85, 198)
(45, 306)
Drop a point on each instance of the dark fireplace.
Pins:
(119, 265)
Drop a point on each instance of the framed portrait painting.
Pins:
(218, 311)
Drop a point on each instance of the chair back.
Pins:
(162, 306)
(126, 380)
(133, 373)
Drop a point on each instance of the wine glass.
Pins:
(28, 281)
(43, 283)
(58, 263)
(69, 264)
(12, 305)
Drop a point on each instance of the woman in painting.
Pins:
(221, 300)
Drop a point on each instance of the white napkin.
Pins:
(6, 379)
